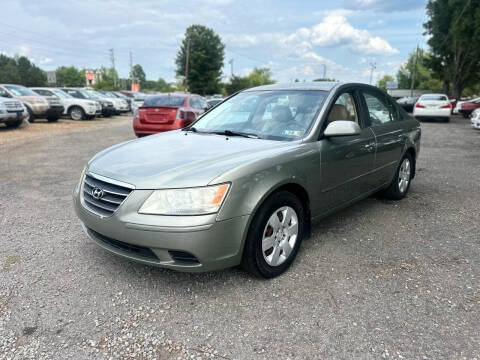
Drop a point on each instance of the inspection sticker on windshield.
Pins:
(292, 132)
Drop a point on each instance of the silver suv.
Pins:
(12, 112)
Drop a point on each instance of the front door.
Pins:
(346, 161)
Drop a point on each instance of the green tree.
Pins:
(206, 54)
(138, 74)
(70, 76)
(21, 71)
(108, 80)
(454, 33)
(382, 83)
(425, 78)
(8, 70)
(258, 76)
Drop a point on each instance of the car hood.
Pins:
(179, 159)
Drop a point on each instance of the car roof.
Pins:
(314, 85)
(433, 95)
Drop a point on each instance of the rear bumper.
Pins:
(431, 113)
(163, 240)
(141, 128)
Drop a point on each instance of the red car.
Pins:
(166, 112)
(467, 107)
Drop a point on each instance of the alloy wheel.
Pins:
(279, 236)
(404, 175)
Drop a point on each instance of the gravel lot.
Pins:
(381, 279)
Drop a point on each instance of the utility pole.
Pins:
(132, 80)
(187, 58)
(112, 60)
(373, 66)
(324, 71)
(412, 84)
(231, 67)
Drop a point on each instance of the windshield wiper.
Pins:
(191, 128)
(235, 133)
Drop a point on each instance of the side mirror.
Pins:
(342, 128)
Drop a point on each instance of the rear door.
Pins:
(388, 127)
(346, 161)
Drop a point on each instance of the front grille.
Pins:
(13, 105)
(183, 256)
(108, 196)
(130, 249)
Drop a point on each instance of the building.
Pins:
(92, 76)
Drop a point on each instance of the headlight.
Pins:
(188, 201)
(91, 103)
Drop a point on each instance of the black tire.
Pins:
(465, 116)
(394, 192)
(14, 123)
(253, 259)
(446, 120)
(31, 116)
(76, 113)
(52, 118)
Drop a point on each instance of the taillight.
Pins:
(448, 106)
(418, 105)
(181, 115)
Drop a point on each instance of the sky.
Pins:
(295, 39)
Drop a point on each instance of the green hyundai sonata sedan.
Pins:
(245, 181)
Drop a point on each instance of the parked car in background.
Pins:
(407, 103)
(433, 106)
(120, 105)
(213, 102)
(12, 112)
(138, 99)
(119, 95)
(475, 118)
(75, 108)
(106, 107)
(469, 106)
(56, 106)
(166, 112)
(243, 184)
(36, 105)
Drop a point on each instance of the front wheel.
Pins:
(274, 236)
(401, 181)
(76, 113)
(14, 123)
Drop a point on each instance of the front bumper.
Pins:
(108, 111)
(475, 123)
(53, 111)
(12, 115)
(157, 240)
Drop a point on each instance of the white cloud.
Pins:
(45, 61)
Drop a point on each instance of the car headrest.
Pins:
(282, 113)
(339, 112)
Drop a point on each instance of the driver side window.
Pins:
(343, 109)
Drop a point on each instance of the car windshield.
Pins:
(139, 96)
(164, 101)
(93, 95)
(108, 95)
(274, 115)
(20, 90)
(62, 94)
(434, 98)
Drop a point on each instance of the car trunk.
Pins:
(158, 115)
(434, 104)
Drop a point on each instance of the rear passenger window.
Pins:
(378, 109)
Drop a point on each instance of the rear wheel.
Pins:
(52, 118)
(465, 116)
(76, 113)
(401, 181)
(274, 236)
